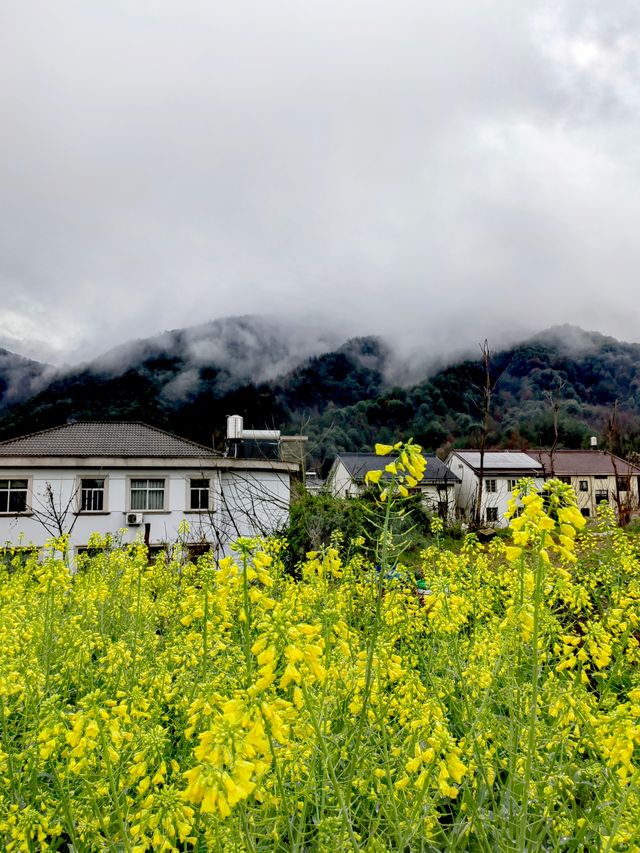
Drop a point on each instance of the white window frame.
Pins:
(147, 477)
(491, 485)
(105, 494)
(27, 510)
(200, 476)
(493, 510)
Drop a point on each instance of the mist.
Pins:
(436, 174)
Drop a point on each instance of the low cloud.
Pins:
(434, 173)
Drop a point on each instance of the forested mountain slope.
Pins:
(188, 382)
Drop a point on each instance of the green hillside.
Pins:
(342, 400)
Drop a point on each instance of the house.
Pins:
(346, 479)
(106, 477)
(596, 476)
(500, 471)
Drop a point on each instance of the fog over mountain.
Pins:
(345, 395)
(249, 349)
(21, 378)
(252, 350)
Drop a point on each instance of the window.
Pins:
(491, 485)
(565, 479)
(199, 494)
(147, 494)
(92, 495)
(512, 484)
(84, 553)
(197, 549)
(586, 512)
(602, 495)
(491, 513)
(622, 484)
(443, 509)
(13, 495)
(583, 485)
(17, 557)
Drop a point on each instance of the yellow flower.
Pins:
(383, 449)
(513, 553)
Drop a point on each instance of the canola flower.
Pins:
(239, 706)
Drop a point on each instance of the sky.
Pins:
(438, 173)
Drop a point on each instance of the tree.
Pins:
(53, 512)
(487, 390)
(553, 396)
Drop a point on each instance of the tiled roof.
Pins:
(104, 438)
(586, 462)
(500, 460)
(357, 464)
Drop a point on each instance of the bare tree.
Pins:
(244, 505)
(626, 502)
(487, 390)
(554, 397)
(55, 513)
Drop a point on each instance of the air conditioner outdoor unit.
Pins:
(134, 518)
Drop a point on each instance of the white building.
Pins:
(437, 487)
(106, 477)
(500, 472)
(597, 476)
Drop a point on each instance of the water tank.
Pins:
(259, 434)
(234, 427)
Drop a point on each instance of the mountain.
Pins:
(20, 378)
(188, 380)
(280, 375)
(592, 380)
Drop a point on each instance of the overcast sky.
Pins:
(440, 172)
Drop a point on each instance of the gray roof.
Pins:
(104, 438)
(586, 462)
(357, 464)
(500, 461)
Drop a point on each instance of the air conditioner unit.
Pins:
(134, 518)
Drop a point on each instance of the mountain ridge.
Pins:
(342, 393)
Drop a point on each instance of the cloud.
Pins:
(439, 173)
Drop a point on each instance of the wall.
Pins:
(587, 499)
(341, 483)
(242, 503)
(467, 492)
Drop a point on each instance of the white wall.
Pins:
(431, 497)
(242, 503)
(341, 483)
(467, 491)
(587, 499)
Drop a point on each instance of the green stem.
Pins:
(368, 678)
(533, 707)
(344, 806)
(112, 783)
(205, 627)
(246, 625)
(134, 661)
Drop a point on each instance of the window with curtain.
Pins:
(147, 494)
